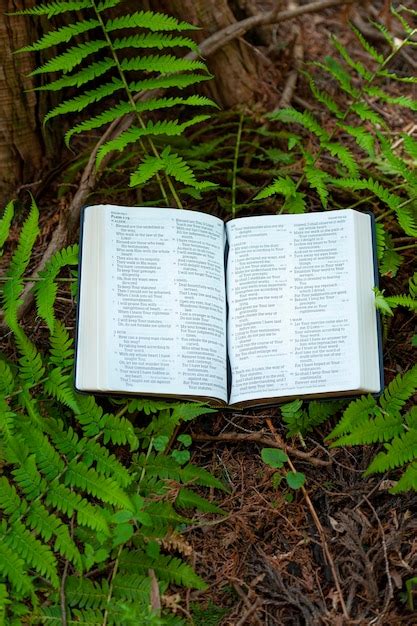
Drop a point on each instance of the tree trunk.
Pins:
(241, 73)
(21, 144)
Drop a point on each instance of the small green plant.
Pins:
(367, 421)
(81, 526)
(276, 458)
(107, 67)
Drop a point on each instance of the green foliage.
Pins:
(67, 501)
(367, 421)
(107, 67)
(383, 175)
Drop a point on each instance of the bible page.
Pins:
(293, 313)
(165, 322)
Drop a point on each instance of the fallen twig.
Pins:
(320, 530)
(265, 441)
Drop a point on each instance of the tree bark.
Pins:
(21, 144)
(242, 74)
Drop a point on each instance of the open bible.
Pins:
(260, 309)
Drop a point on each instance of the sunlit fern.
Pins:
(107, 72)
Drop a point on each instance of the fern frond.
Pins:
(77, 104)
(400, 389)
(10, 502)
(67, 501)
(305, 119)
(86, 75)
(324, 98)
(132, 587)
(338, 72)
(106, 463)
(363, 138)
(167, 568)
(344, 155)
(367, 114)
(180, 81)
(13, 568)
(281, 185)
(408, 480)
(391, 260)
(48, 525)
(66, 61)
(18, 264)
(7, 378)
(147, 19)
(317, 179)
(171, 128)
(46, 288)
(187, 499)
(164, 63)
(412, 285)
(31, 368)
(357, 411)
(90, 481)
(151, 40)
(410, 146)
(86, 594)
(29, 479)
(399, 451)
(125, 107)
(61, 35)
(5, 223)
(32, 551)
(381, 428)
(380, 240)
(60, 387)
(48, 460)
(55, 8)
(403, 300)
(368, 47)
(61, 346)
(361, 70)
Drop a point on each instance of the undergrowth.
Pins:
(90, 504)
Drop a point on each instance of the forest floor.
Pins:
(279, 556)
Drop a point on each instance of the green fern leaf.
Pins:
(125, 107)
(7, 379)
(344, 155)
(60, 386)
(305, 119)
(46, 287)
(29, 479)
(380, 234)
(48, 460)
(5, 223)
(412, 285)
(381, 428)
(119, 431)
(71, 58)
(176, 81)
(357, 411)
(368, 47)
(18, 264)
(187, 499)
(86, 594)
(362, 71)
(106, 4)
(61, 35)
(367, 114)
(408, 481)
(86, 75)
(324, 98)
(48, 525)
(400, 451)
(295, 203)
(149, 20)
(90, 481)
(168, 568)
(77, 104)
(363, 138)
(61, 350)
(32, 551)
(284, 186)
(410, 146)
(317, 179)
(10, 502)
(399, 391)
(335, 69)
(106, 463)
(13, 568)
(391, 260)
(67, 501)
(151, 40)
(404, 101)
(403, 300)
(55, 8)
(132, 587)
(168, 64)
